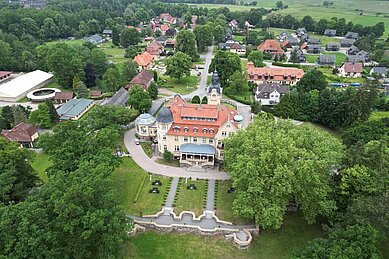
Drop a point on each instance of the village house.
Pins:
(161, 40)
(170, 44)
(272, 47)
(94, 39)
(155, 49)
(194, 133)
(300, 55)
(313, 48)
(351, 69)
(333, 46)
(63, 97)
(167, 18)
(233, 24)
(95, 94)
(326, 60)
(143, 79)
(353, 50)
(120, 98)
(330, 32)
(163, 28)
(24, 133)
(361, 56)
(381, 71)
(352, 35)
(314, 41)
(238, 49)
(270, 93)
(281, 75)
(300, 32)
(144, 60)
(345, 43)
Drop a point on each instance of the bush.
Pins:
(268, 109)
(167, 155)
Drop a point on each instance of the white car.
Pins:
(136, 141)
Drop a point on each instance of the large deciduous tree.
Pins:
(178, 65)
(112, 79)
(226, 64)
(139, 99)
(273, 163)
(186, 43)
(256, 57)
(204, 36)
(129, 37)
(41, 116)
(17, 177)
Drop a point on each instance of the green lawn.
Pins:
(268, 245)
(146, 146)
(113, 52)
(224, 205)
(243, 62)
(335, 78)
(311, 58)
(379, 115)
(40, 164)
(173, 162)
(246, 96)
(127, 178)
(340, 57)
(192, 200)
(185, 85)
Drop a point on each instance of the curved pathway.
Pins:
(151, 166)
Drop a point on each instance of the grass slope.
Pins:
(40, 164)
(269, 244)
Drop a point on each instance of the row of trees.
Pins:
(311, 100)
(76, 207)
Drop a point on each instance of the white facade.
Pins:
(274, 98)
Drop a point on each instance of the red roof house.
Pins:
(23, 133)
(154, 48)
(272, 47)
(144, 79)
(281, 75)
(144, 60)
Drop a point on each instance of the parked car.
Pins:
(136, 141)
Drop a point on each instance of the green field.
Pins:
(40, 164)
(224, 204)
(185, 85)
(327, 71)
(341, 9)
(127, 178)
(113, 52)
(294, 234)
(192, 200)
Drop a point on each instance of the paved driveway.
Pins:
(150, 166)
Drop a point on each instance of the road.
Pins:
(150, 166)
(201, 90)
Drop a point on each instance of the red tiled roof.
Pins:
(143, 79)
(21, 133)
(285, 43)
(304, 45)
(143, 59)
(351, 67)
(277, 72)
(4, 73)
(218, 115)
(63, 96)
(96, 93)
(236, 46)
(164, 27)
(270, 45)
(154, 48)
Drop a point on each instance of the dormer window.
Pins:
(186, 129)
(204, 130)
(195, 129)
(176, 128)
(211, 131)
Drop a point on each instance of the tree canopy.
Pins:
(186, 43)
(139, 99)
(226, 64)
(178, 65)
(286, 163)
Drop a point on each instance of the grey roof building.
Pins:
(107, 32)
(215, 84)
(346, 42)
(120, 98)
(353, 50)
(314, 48)
(326, 60)
(313, 41)
(330, 32)
(74, 109)
(352, 35)
(293, 41)
(94, 39)
(382, 71)
(300, 55)
(333, 46)
(361, 56)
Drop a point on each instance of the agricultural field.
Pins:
(364, 12)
